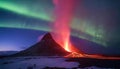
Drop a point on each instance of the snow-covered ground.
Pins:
(35, 62)
(38, 63)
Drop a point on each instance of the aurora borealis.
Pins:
(28, 8)
(93, 20)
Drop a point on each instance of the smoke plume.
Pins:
(63, 16)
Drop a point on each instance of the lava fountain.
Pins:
(61, 28)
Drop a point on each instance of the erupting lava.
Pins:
(61, 27)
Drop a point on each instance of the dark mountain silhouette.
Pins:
(46, 47)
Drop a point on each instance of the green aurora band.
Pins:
(26, 8)
(86, 28)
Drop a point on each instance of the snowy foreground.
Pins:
(39, 63)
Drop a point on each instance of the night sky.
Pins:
(24, 22)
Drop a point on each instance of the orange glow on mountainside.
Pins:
(94, 56)
(67, 47)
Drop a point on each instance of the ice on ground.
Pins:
(38, 62)
(35, 62)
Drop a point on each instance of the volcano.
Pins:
(46, 47)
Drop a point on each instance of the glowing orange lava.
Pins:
(75, 55)
(95, 56)
(67, 47)
(61, 27)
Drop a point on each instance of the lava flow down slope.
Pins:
(46, 47)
